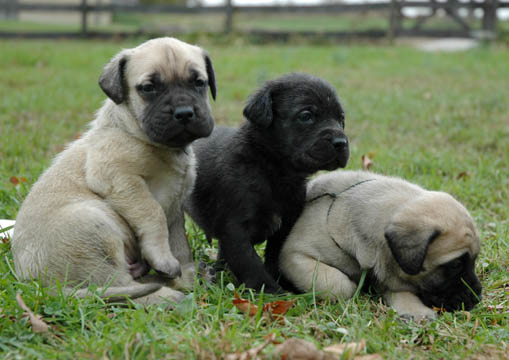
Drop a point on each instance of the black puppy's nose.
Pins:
(339, 142)
(183, 114)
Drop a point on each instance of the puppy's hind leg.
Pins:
(308, 273)
(90, 248)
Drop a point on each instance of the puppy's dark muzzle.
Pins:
(184, 114)
(342, 150)
(178, 126)
(330, 152)
(459, 297)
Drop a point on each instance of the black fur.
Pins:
(250, 177)
(445, 287)
(211, 74)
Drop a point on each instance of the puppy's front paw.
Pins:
(206, 272)
(169, 266)
(420, 315)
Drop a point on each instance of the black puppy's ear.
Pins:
(409, 246)
(112, 80)
(258, 108)
(210, 74)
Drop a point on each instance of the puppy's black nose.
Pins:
(340, 142)
(183, 114)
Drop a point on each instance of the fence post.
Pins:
(489, 18)
(393, 20)
(229, 17)
(8, 9)
(84, 10)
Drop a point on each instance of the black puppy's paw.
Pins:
(206, 272)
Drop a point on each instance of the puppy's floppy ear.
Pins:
(112, 80)
(210, 74)
(409, 246)
(258, 108)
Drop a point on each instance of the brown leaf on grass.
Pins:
(347, 351)
(14, 180)
(366, 162)
(38, 325)
(251, 353)
(298, 349)
(439, 310)
(244, 305)
(462, 175)
(476, 325)
(276, 309)
(5, 240)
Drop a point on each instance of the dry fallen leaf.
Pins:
(251, 353)
(38, 325)
(298, 349)
(244, 305)
(439, 310)
(461, 175)
(348, 350)
(476, 324)
(14, 180)
(276, 309)
(366, 162)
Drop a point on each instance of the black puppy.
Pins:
(251, 181)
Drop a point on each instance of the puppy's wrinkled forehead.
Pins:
(170, 59)
(303, 90)
(458, 231)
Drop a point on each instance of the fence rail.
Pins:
(393, 9)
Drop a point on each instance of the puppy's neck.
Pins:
(259, 144)
(111, 115)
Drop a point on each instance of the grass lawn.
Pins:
(154, 23)
(439, 120)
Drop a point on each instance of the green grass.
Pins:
(214, 22)
(425, 117)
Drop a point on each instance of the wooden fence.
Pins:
(393, 10)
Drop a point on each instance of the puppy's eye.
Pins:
(455, 265)
(199, 83)
(148, 88)
(305, 117)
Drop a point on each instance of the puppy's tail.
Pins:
(116, 293)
